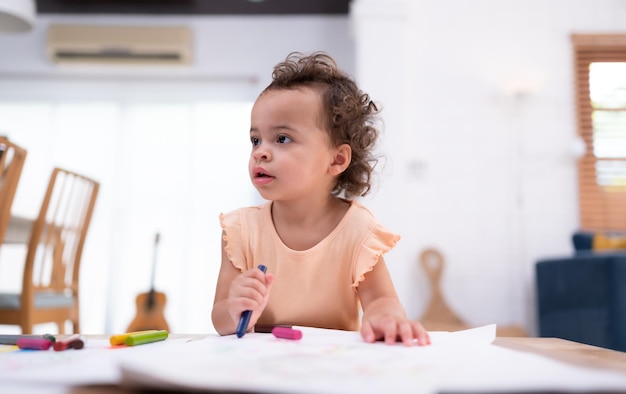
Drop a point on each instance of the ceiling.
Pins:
(195, 7)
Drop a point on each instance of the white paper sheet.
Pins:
(324, 361)
(327, 361)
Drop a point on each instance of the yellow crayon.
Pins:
(120, 339)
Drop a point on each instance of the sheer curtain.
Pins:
(170, 157)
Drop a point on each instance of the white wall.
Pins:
(481, 134)
(477, 99)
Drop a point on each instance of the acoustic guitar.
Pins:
(150, 305)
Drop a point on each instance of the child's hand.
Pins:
(249, 291)
(393, 329)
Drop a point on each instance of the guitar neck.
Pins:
(154, 261)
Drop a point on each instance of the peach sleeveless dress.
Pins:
(315, 287)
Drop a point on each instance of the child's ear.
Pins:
(341, 160)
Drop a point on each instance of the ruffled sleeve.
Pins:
(233, 231)
(377, 242)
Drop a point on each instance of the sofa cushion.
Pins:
(609, 242)
(582, 240)
(599, 241)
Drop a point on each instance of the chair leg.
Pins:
(76, 326)
(27, 328)
(61, 324)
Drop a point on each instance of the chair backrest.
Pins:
(58, 235)
(12, 158)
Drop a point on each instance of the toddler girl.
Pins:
(313, 134)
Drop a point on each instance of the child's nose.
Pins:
(261, 153)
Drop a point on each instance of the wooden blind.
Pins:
(602, 202)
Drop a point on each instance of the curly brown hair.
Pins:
(349, 114)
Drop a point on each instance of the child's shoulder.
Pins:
(365, 217)
(361, 209)
(242, 217)
(248, 210)
(376, 237)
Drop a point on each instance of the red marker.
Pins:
(70, 342)
(287, 333)
(34, 343)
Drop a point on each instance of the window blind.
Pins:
(601, 121)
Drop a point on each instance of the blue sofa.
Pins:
(583, 297)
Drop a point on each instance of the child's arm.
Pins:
(236, 292)
(384, 317)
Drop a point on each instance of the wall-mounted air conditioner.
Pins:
(142, 45)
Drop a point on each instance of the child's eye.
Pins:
(282, 139)
(255, 141)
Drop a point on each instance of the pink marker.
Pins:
(34, 343)
(287, 333)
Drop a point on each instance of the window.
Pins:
(600, 75)
(170, 158)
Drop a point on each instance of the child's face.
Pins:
(291, 152)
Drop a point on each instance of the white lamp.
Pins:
(17, 15)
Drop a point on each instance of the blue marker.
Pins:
(242, 327)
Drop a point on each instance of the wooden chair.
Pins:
(12, 159)
(50, 291)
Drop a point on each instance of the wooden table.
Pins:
(568, 352)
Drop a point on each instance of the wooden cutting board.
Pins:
(439, 316)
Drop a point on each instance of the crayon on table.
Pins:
(34, 343)
(12, 339)
(242, 327)
(148, 337)
(120, 339)
(70, 342)
(287, 333)
(51, 337)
